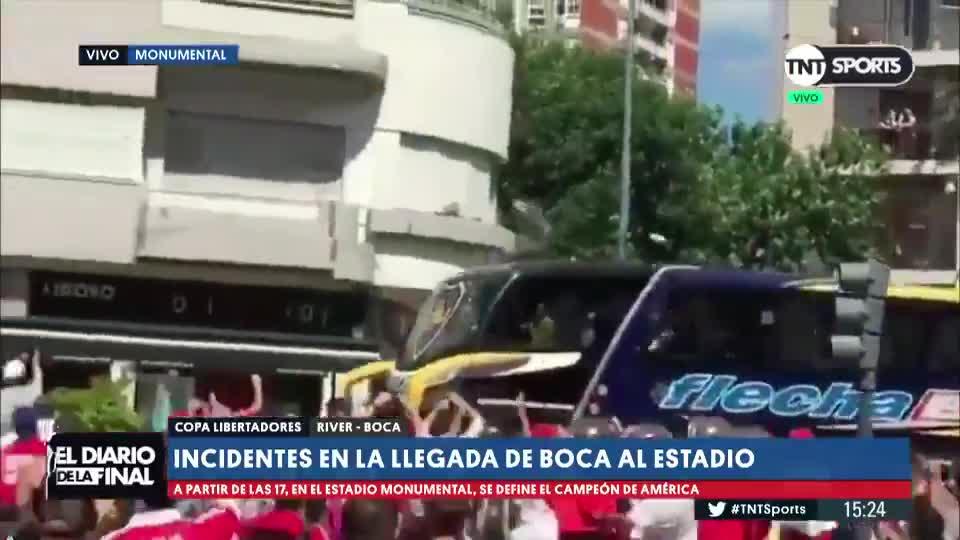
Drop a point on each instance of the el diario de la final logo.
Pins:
(106, 465)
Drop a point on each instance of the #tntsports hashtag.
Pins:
(759, 510)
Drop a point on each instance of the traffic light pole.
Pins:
(861, 299)
(868, 385)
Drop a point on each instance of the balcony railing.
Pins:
(481, 14)
(654, 10)
(478, 13)
(920, 143)
(330, 8)
(861, 34)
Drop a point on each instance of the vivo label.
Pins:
(707, 392)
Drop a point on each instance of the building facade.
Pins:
(921, 207)
(666, 32)
(317, 190)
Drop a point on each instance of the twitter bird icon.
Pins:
(716, 509)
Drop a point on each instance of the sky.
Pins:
(740, 57)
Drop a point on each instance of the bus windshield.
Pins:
(450, 320)
(519, 313)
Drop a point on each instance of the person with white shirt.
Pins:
(659, 519)
(662, 519)
(7, 439)
(535, 519)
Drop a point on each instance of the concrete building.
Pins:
(667, 32)
(315, 192)
(921, 208)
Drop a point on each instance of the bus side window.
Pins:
(697, 331)
(799, 334)
(945, 349)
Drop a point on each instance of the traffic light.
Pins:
(859, 313)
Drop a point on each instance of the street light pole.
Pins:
(627, 132)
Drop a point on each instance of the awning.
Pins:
(183, 347)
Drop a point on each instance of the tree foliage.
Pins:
(100, 408)
(701, 191)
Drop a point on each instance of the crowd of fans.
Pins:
(444, 414)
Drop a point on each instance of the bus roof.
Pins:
(704, 276)
(562, 268)
(930, 293)
(688, 276)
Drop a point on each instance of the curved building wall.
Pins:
(210, 154)
(446, 80)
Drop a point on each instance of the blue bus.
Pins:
(667, 344)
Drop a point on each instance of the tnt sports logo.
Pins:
(860, 65)
(105, 465)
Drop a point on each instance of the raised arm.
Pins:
(441, 406)
(945, 503)
(475, 428)
(421, 426)
(522, 413)
(456, 425)
(257, 405)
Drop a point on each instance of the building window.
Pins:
(568, 7)
(535, 12)
(659, 35)
(224, 146)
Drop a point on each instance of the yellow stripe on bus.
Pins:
(442, 371)
(905, 292)
(346, 381)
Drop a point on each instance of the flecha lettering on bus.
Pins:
(707, 392)
(937, 405)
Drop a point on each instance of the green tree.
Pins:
(101, 407)
(701, 192)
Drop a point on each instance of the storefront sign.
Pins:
(191, 303)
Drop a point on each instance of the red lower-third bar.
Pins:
(752, 489)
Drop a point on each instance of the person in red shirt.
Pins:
(317, 518)
(213, 407)
(23, 463)
(284, 522)
(163, 522)
(732, 529)
(584, 517)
